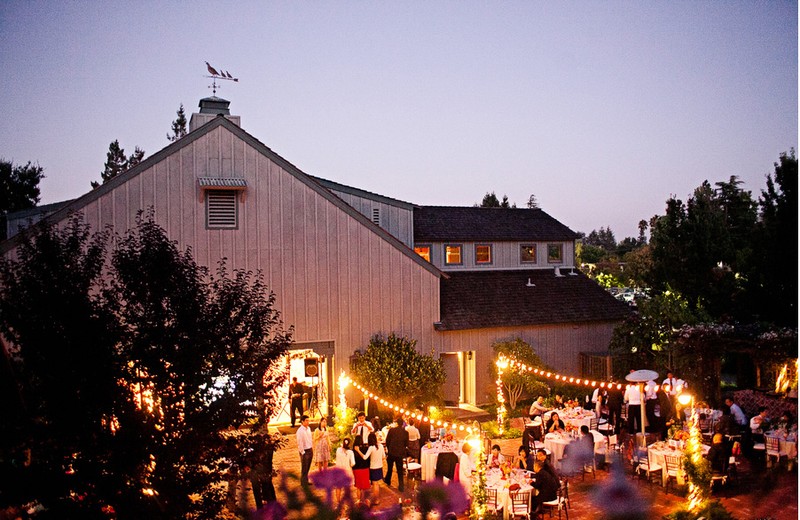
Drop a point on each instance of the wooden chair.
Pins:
(520, 504)
(773, 450)
(673, 466)
(413, 468)
(491, 500)
(593, 424)
(650, 469)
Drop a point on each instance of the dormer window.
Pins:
(452, 254)
(555, 253)
(527, 254)
(483, 254)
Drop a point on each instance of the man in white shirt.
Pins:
(672, 382)
(634, 399)
(305, 447)
(736, 411)
(413, 439)
(362, 427)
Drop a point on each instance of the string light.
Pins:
(402, 410)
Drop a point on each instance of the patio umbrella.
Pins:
(641, 377)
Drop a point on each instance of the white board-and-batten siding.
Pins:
(335, 277)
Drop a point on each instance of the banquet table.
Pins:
(787, 444)
(657, 452)
(577, 417)
(495, 480)
(430, 453)
(556, 443)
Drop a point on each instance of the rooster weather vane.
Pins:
(218, 74)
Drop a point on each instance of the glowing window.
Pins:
(452, 254)
(527, 254)
(483, 254)
(424, 252)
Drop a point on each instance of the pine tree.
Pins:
(117, 162)
(178, 126)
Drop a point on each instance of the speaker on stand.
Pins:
(312, 367)
(312, 371)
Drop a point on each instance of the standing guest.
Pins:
(345, 459)
(396, 451)
(554, 424)
(296, 397)
(537, 408)
(666, 409)
(466, 466)
(376, 423)
(496, 458)
(361, 468)
(614, 405)
(305, 445)
(634, 399)
(738, 415)
(672, 382)
(546, 486)
(375, 454)
(525, 458)
(322, 446)
(424, 432)
(651, 400)
(599, 397)
(362, 428)
(413, 439)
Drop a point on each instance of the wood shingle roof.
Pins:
(448, 223)
(473, 299)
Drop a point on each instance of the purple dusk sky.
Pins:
(601, 109)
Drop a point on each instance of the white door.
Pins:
(451, 389)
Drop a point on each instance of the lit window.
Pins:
(221, 209)
(424, 252)
(483, 254)
(554, 253)
(452, 255)
(527, 254)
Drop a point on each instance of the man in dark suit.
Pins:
(546, 486)
(296, 397)
(396, 451)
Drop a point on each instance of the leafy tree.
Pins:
(129, 378)
(117, 162)
(392, 367)
(532, 202)
(61, 375)
(604, 239)
(515, 383)
(774, 278)
(638, 264)
(591, 254)
(19, 189)
(178, 126)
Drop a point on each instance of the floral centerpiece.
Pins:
(506, 468)
(572, 403)
(448, 437)
(569, 427)
(680, 435)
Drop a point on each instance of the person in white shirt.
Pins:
(537, 408)
(651, 399)
(736, 411)
(362, 427)
(305, 445)
(496, 459)
(672, 381)
(466, 466)
(345, 459)
(634, 399)
(413, 439)
(374, 452)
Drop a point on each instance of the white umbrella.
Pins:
(641, 377)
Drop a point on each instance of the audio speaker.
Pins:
(312, 368)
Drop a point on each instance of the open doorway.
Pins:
(313, 368)
(459, 385)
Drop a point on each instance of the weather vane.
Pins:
(218, 74)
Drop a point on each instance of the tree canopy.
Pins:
(19, 189)
(178, 126)
(117, 162)
(129, 365)
(517, 384)
(490, 200)
(392, 367)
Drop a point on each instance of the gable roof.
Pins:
(79, 203)
(446, 223)
(358, 192)
(474, 299)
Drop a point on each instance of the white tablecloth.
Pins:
(787, 447)
(428, 457)
(494, 480)
(557, 443)
(577, 417)
(657, 452)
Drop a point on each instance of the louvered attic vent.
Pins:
(222, 201)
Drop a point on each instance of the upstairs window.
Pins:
(452, 254)
(555, 253)
(222, 209)
(424, 252)
(483, 254)
(527, 254)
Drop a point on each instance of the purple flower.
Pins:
(443, 498)
(390, 513)
(271, 511)
(619, 498)
(331, 479)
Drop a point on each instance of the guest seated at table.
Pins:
(726, 424)
(496, 458)
(547, 486)
(541, 456)
(785, 421)
(525, 458)
(554, 424)
(537, 408)
(718, 454)
(558, 402)
(760, 422)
